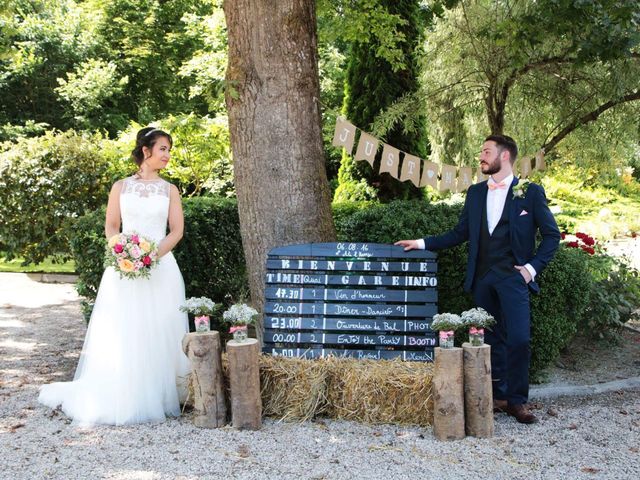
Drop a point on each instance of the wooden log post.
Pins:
(204, 352)
(244, 379)
(448, 394)
(478, 395)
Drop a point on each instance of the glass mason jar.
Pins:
(202, 323)
(240, 333)
(476, 336)
(446, 339)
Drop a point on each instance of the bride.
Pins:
(132, 368)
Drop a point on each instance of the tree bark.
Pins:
(478, 396)
(448, 394)
(204, 352)
(244, 379)
(274, 119)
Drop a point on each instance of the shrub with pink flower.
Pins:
(131, 255)
(580, 240)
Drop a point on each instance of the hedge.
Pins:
(211, 260)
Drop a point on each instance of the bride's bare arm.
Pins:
(176, 223)
(112, 221)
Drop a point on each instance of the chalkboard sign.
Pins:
(361, 300)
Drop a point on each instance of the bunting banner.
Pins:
(367, 148)
(390, 160)
(406, 167)
(430, 175)
(411, 169)
(344, 135)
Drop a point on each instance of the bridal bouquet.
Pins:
(131, 255)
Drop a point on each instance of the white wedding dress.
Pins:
(132, 368)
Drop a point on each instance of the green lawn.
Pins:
(45, 267)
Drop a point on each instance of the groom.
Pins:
(500, 220)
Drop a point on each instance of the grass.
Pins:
(601, 211)
(47, 266)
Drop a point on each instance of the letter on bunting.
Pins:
(525, 167)
(448, 178)
(430, 175)
(367, 148)
(390, 160)
(464, 179)
(411, 169)
(540, 165)
(344, 135)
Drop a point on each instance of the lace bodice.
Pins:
(144, 207)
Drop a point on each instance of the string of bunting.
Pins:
(419, 171)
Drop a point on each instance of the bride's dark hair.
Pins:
(147, 137)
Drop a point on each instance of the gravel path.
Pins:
(41, 332)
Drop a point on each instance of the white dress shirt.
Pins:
(496, 199)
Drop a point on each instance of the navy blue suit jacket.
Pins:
(522, 227)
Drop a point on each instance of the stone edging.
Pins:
(583, 390)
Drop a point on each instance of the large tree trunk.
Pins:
(274, 120)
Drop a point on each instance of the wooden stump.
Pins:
(244, 378)
(448, 394)
(478, 395)
(203, 349)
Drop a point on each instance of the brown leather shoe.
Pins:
(499, 406)
(521, 413)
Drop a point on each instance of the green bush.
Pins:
(615, 295)
(211, 260)
(557, 311)
(210, 254)
(408, 219)
(45, 182)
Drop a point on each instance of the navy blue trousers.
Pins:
(507, 299)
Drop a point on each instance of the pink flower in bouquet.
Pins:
(146, 260)
(135, 251)
(134, 239)
(118, 248)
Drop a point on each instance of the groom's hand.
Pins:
(524, 272)
(408, 244)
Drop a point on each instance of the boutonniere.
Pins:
(520, 190)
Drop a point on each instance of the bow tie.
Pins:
(493, 186)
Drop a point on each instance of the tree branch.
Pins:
(589, 117)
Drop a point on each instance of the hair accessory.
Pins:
(151, 131)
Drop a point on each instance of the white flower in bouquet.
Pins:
(446, 321)
(477, 317)
(240, 314)
(199, 306)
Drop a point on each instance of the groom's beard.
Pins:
(490, 167)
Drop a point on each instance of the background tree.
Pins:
(274, 119)
(373, 83)
(536, 70)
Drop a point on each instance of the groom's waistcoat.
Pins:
(494, 250)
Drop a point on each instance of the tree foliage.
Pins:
(536, 70)
(374, 81)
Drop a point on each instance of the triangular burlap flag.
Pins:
(390, 160)
(540, 165)
(367, 148)
(430, 175)
(480, 177)
(344, 135)
(448, 178)
(411, 169)
(525, 167)
(464, 179)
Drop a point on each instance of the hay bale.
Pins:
(380, 391)
(293, 388)
(370, 391)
